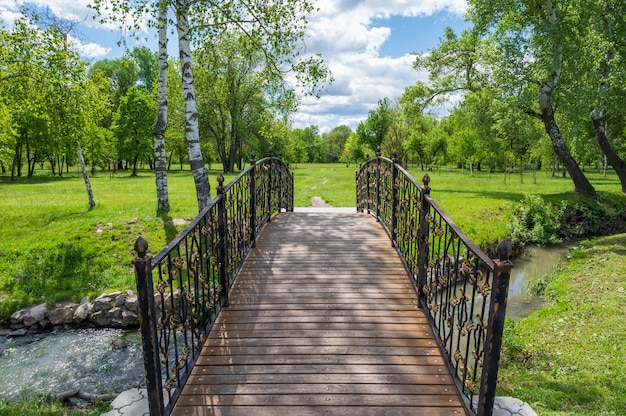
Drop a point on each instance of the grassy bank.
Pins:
(567, 359)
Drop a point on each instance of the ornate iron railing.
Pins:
(182, 289)
(462, 290)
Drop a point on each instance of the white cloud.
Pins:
(88, 50)
(344, 33)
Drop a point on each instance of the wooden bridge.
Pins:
(323, 320)
(258, 310)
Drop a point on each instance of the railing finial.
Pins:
(378, 151)
(253, 158)
(426, 182)
(141, 247)
(271, 150)
(504, 250)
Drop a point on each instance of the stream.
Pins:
(62, 360)
(84, 359)
(534, 263)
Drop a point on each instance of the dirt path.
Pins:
(318, 202)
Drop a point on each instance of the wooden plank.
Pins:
(323, 319)
(225, 410)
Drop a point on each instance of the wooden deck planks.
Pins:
(323, 320)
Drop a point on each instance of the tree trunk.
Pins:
(598, 113)
(160, 162)
(196, 161)
(81, 161)
(612, 157)
(582, 186)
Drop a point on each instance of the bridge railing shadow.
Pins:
(182, 288)
(462, 290)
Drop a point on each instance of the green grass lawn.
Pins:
(54, 248)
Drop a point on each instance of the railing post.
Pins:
(253, 199)
(269, 188)
(495, 328)
(367, 183)
(280, 182)
(147, 319)
(221, 247)
(394, 197)
(378, 183)
(422, 238)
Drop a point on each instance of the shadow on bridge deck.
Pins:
(323, 319)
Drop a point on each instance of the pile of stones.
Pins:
(112, 310)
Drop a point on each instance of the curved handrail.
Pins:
(458, 284)
(182, 289)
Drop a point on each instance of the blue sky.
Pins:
(367, 45)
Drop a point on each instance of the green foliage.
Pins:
(534, 221)
(45, 406)
(372, 131)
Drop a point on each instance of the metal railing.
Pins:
(182, 289)
(461, 289)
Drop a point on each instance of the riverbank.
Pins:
(567, 358)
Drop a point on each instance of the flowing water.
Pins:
(68, 360)
(534, 263)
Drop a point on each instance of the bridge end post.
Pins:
(280, 183)
(394, 198)
(253, 199)
(147, 320)
(223, 235)
(422, 237)
(269, 186)
(495, 329)
(378, 153)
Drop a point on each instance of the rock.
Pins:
(17, 318)
(5, 332)
(35, 314)
(120, 299)
(81, 314)
(100, 318)
(102, 303)
(115, 312)
(84, 300)
(133, 221)
(18, 333)
(120, 343)
(63, 314)
(132, 304)
(129, 319)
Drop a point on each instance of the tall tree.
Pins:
(608, 21)
(160, 126)
(531, 38)
(132, 124)
(337, 139)
(372, 131)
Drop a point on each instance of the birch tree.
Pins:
(277, 28)
(531, 37)
(159, 128)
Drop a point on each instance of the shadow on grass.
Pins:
(168, 226)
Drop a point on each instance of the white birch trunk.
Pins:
(81, 161)
(196, 161)
(160, 164)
